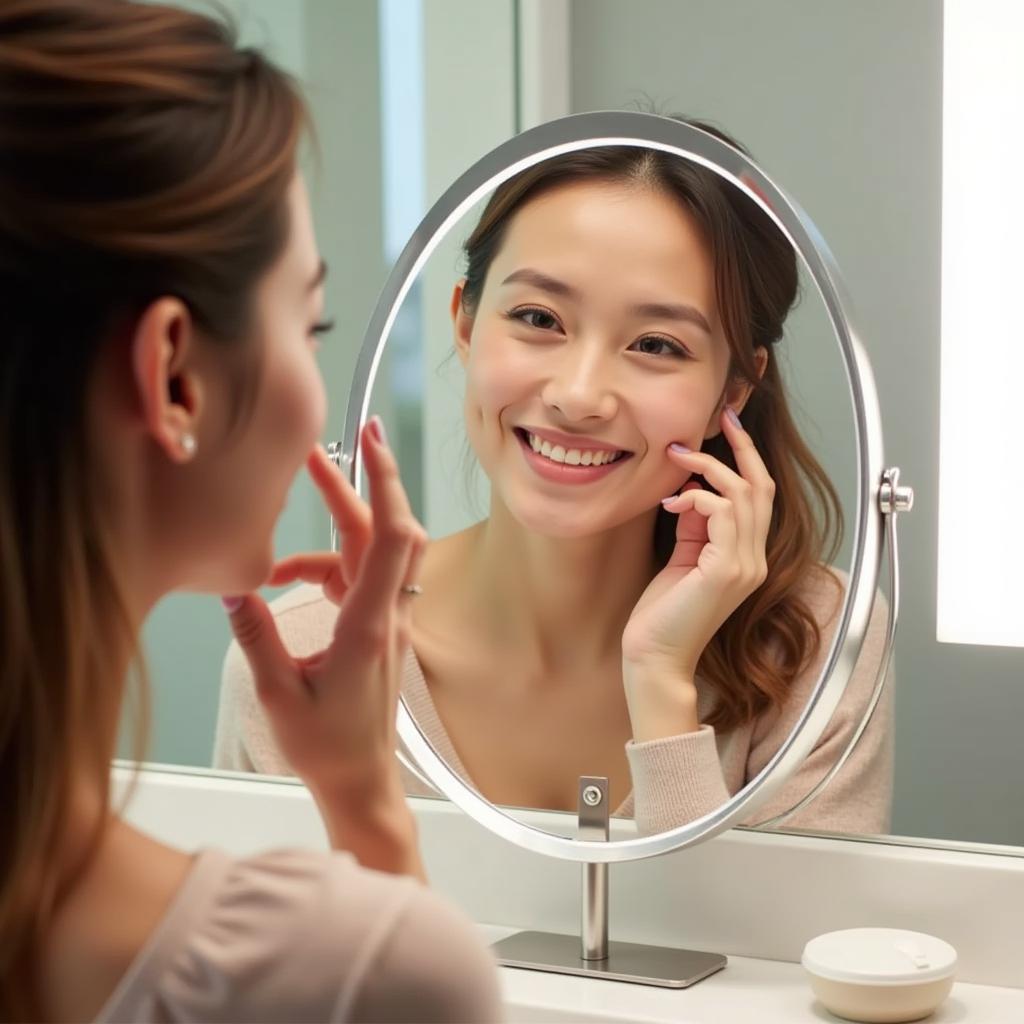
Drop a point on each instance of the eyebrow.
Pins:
(653, 310)
(318, 277)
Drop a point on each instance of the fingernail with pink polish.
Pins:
(669, 499)
(681, 448)
(377, 426)
(232, 604)
(733, 418)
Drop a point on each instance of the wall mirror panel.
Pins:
(842, 104)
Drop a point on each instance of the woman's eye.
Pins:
(539, 318)
(652, 345)
(322, 327)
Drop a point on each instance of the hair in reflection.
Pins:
(773, 635)
(142, 153)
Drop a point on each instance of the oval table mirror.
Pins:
(650, 610)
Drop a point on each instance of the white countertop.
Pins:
(748, 991)
(759, 894)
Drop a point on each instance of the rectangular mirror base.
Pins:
(627, 961)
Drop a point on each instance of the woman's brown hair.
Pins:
(771, 637)
(142, 154)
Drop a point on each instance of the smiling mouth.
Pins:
(563, 456)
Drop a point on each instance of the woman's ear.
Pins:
(738, 393)
(168, 388)
(462, 322)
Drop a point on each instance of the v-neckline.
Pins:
(423, 709)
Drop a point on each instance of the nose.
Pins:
(580, 386)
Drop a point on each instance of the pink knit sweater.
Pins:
(675, 780)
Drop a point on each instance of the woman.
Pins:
(650, 597)
(161, 295)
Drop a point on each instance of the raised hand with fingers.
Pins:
(333, 713)
(718, 562)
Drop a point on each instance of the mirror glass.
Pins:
(614, 305)
(803, 92)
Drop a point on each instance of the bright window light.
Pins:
(981, 450)
(402, 143)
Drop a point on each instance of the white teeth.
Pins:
(571, 456)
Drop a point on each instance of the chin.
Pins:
(575, 519)
(249, 574)
(232, 571)
(559, 522)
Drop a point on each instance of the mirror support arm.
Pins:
(593, 824)
(591, 955)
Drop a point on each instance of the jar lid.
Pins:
(879, 956)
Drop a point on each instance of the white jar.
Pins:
(880, 975)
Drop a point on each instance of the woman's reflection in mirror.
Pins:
(650, 597)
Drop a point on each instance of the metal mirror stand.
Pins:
(592, 955)
(597, 957)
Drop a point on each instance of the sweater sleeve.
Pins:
(675, 780)
(681, 778)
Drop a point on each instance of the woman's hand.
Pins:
(333, 713)
(718, 561)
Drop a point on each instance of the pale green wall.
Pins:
(465, 120)
(332, 49)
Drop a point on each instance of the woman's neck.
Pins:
(557, 602)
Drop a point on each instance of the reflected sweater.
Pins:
(676, 779)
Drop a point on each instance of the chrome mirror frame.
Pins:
(651, 131)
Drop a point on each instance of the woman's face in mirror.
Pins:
(597, 330)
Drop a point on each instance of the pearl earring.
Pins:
(188, 444)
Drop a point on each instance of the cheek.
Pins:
(679, 412)
(499, 373)
(296, 409)
(489, 378)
